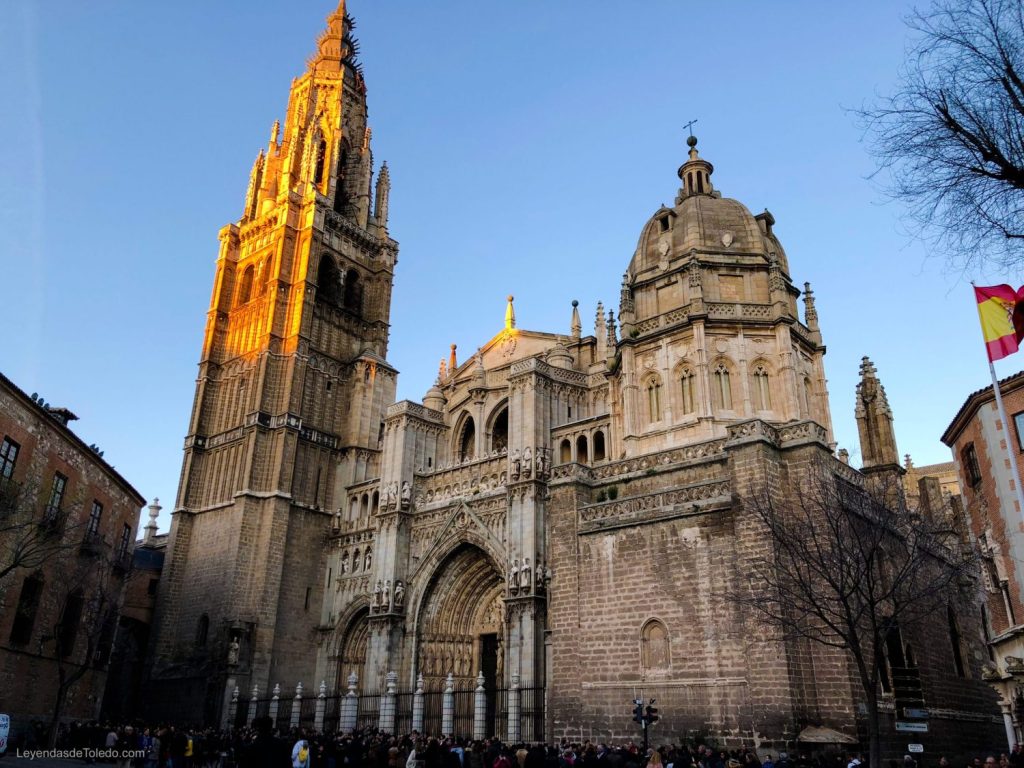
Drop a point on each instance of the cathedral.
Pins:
(562, 512)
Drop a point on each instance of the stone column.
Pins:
(513, 711)
(1011, 732)
(251, 713)
(275, 701)
(480, 709)
(232, 710)
(321, 707)
(350, 706)
(387, 704)
(417, 705)
(296, 707)
(448, 706)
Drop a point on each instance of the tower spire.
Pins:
(874, 421)
(575, 327)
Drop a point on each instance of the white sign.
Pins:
(5, 728)
(915, 748)
(911, 727)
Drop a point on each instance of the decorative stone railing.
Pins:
(478, 476)
(637, 509)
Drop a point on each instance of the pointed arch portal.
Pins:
(461, 622)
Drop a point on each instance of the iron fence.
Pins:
(368, 712)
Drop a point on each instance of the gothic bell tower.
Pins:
(289, 403)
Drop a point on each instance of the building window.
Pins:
(970, 461)
(599, 453)
(686, 391)
(202, 631)
(70, 618)
(1018, 422)
(60, 484)
(467, 441)
(581, 450)
(151, 588)
(762, 396)
(122, 546)
(25, 613)
(8, 457)
(654, 400)
(565, 452)
(721, 387)
(94, 519)
(957, 643)
(245, 287)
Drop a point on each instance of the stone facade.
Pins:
(562, 511)
(979, 441)
(74, 518)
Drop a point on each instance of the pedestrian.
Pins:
(300, 754)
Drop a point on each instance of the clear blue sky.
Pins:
(529, 142)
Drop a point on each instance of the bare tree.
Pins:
(853, 566)
(87, 604)
(33, 530)
(952, 134)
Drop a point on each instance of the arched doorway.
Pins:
(352, 649)
(461, 626)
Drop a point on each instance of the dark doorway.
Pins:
(489, 667)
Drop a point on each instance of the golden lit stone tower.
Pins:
(289, 402)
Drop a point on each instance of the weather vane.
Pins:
(689, 126)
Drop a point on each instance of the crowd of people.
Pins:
(261, 746)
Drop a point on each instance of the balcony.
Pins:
(92, 544)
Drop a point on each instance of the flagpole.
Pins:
(1006, 434)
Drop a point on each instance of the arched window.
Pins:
(467, 440)
(245, 285)
(654, 646)
(264, 276)
(599, 452)
(653, 400)
(759, 385)
(341, 190)
(565, 452)
(202, 631)
(353, 291)
(687, 393)
(721, 387)
(376, 501)
(581, 450)
(321, 156)
(499, 431)
(957, 642)
(364, 505)
(328, 280)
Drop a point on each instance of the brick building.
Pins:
(560, 514)
(69, 522)
(979, 441)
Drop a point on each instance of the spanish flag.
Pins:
(1001, 310)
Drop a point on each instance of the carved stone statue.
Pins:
(542, 463)
(406, 494)
(516, 464)
(538, 578)
(385, 598)
(233, 650)
(527, 462)
(399, 595)
(344, 563)
(392, 495)
(375, 601)
(367, 560)
(513, 577)
(525, 576)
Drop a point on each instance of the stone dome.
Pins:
(703, 221)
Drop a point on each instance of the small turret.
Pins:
(380, 203)
(148, 538)
(695, 174)
(874, 423)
